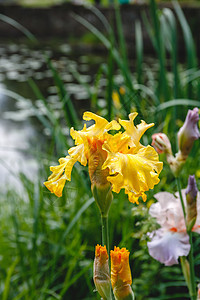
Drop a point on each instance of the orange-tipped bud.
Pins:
(101, 274)
(121, 274)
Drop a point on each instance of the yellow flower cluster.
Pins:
(119, 159)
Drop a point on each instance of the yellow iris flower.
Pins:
(119, 159)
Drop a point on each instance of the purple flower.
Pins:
(189, 132)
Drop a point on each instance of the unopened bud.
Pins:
(189, 132)
(161, 143)
(121, 274)
(191, 199)
(101, 273)
(185, 269)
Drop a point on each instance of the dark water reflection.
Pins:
(20, 131)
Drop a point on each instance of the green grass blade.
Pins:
(49, 111)
(77, 216)
(125, 71)
(163, 90)
(169, 22)
(70, 226)
(18, 97)
(8, 279)
(19, 27)
(189, 43)
(94, 97)
(68, 107)
(75, 278)
(139, 51)
(177, 102)
(122, 43)
(102, 18)
(109, 88)
(187, 34)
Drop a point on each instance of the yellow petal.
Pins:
(56, 187)
(101, 252)
(134, 132)
(77, 136)
(117, 143)
(120, 269)
(61, 173)
(136, 173)
(101, 125)
(89, 140)
(79, 153)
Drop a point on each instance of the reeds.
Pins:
(46, 243)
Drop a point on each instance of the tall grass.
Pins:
(47, 244)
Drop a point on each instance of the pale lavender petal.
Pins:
(183, 195)
(165, 199)
(166, 204)
(166, 247)
(197, 224)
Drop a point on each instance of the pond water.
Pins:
(20, 132)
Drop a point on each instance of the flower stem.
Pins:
(191, 284)
(105, 240)
(192, 273)
(181, 197)
(104, 227)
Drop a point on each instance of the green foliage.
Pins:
(47, 244)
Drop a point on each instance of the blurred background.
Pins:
(57, 60)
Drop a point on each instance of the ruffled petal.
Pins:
(167, 247)
(101, 125)
(166, 202)
(120, 269)
(134, 132)
(79, 153)
(136, 173)
(168, 212)
(88, 138)
(61, 173)
(118, 142)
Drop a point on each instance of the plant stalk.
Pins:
(105, 240)
(181, 197)
(104, 228)
(191, 284)
(192, 273)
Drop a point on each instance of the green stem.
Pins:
(192, 273)
(105, 236)
(181, 197)
(105, 240)
(191, 284)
